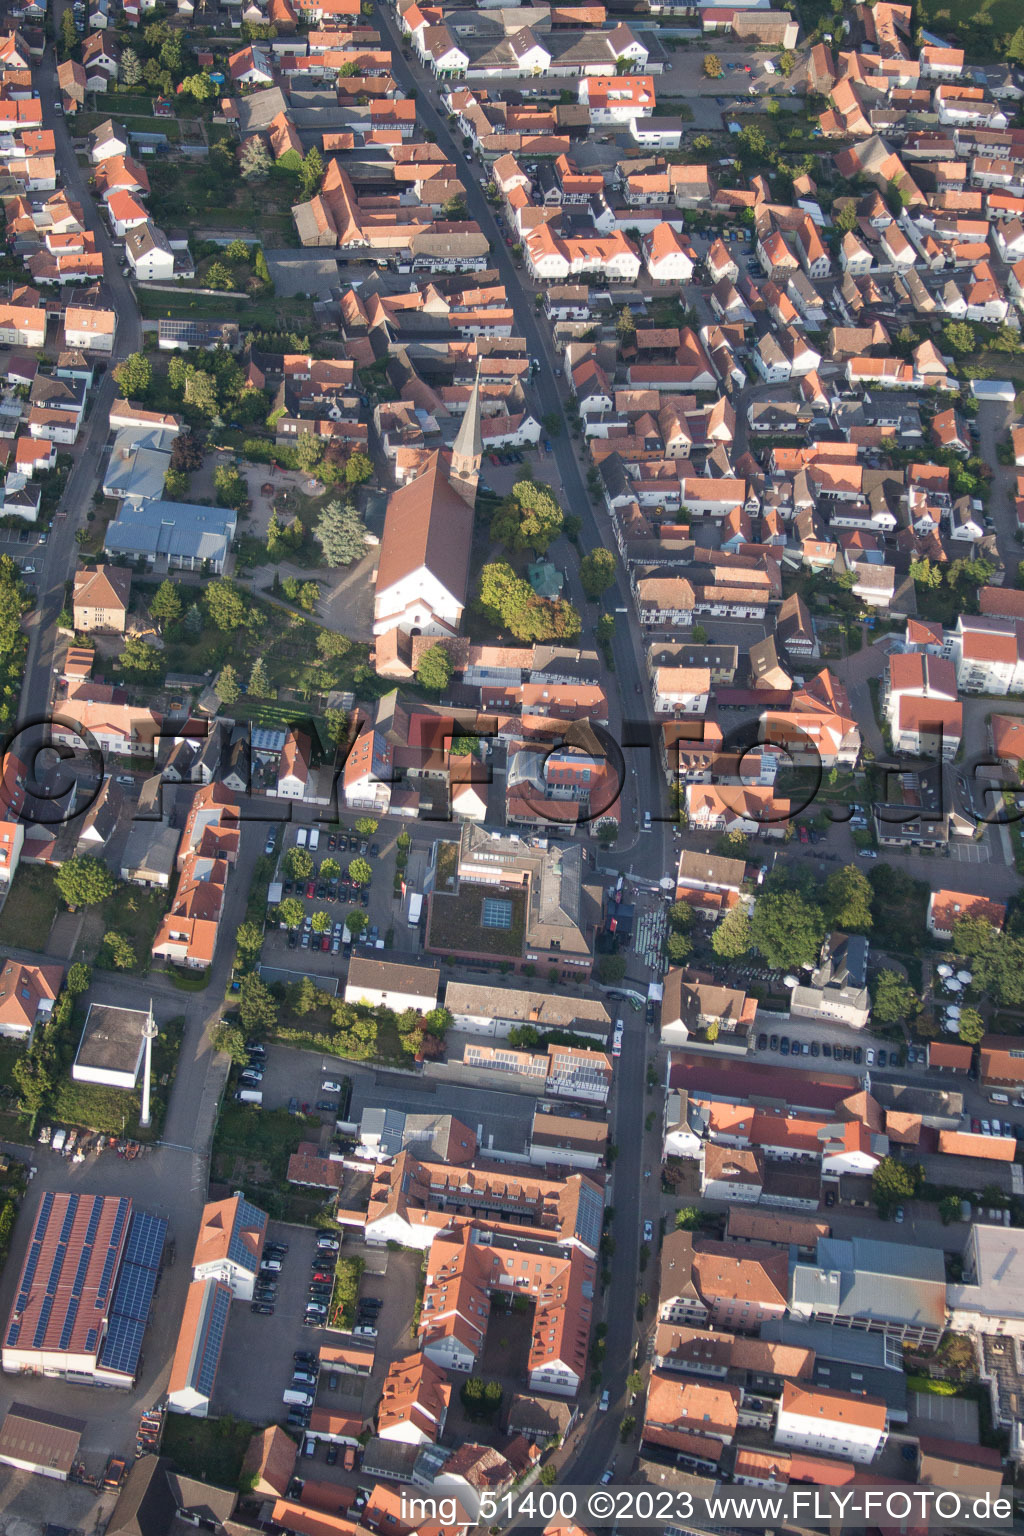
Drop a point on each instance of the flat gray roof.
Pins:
(112, 1038)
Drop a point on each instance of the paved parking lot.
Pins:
(256, 1365)
(381, 908)
(297, 1074)
(966, 851)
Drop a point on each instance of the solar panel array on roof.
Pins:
(589, 1216)
(247, 1218)
(133, 1295)
(213, 1341)
(123, 1207)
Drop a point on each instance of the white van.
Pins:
(296, 1398)
(314, 838)
(301, 836)
(59, 1138)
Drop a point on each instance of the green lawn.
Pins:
(29, 911)
(974, 23)
(209, 1449)
(266, 314)
(136, 916)
(256, 1144)
(141, 120)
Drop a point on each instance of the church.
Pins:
(423, 574)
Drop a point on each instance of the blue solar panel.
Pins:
(213, 1342)
(122, 1345)
(69, 1322)
(43, 1322)
(248, 1218)
(90, 1339)
(13, 1334)
(69, 1218)
(133, 1294)
(145, 1243)
(111, 1259)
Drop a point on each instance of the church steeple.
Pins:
(468, 448)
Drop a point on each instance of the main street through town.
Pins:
(633, 1198)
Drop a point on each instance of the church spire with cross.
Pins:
(468, 448)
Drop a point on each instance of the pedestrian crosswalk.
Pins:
(649, 937)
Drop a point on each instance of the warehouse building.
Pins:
(85, 1290)
(110, 1050)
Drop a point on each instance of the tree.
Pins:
(359, 872)
(336, 721)
(506, 599)
(1013, 48)
(134, 376)
(949, 1209)
(687, 1218)
(68, 33)
(529, 519)
(307, 997)
(257, 1006)
(970, 1026)
(298, 863)
(259, 265)
(78, 980)
(330, 869)
(201, 392)
(192, 621)
(893, 999)
(130, 69)
(224, 604)
(83, 881)
(366, 826)
(186, 452)
(237, 251)
(165, 607)
(753, 144)
(255, 161)
(340, 533)
(356, 1031)
(713, 66)
(311, 172)
(597, 572)
(249, 941)
(679, 947)
(218, 276)
(231, 489)
(465, 746)
(786, 61)
(611, 968)
(309, 450)
(846, 219)
(175, 485)
(226, 685)
(438, 1021)
(358, 468)
(787, 928)
(848, 896)
(356, 921)
(199, 85)
(321, 922)
(731, 938)
(137, 656)
(625, 324)
(680, 917)
(121, 953)
(959, 335)
(549, 1474)
(434, 669)
(291, 912)
(892, 1182)
(260, 685)
(231, 1040)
